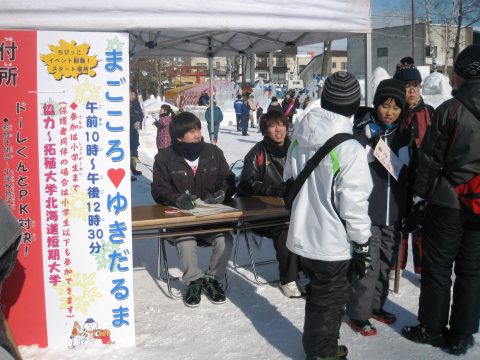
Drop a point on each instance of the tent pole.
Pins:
(368, 69)
(210, 66)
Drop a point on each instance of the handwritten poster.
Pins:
(79, 138)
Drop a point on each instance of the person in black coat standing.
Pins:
(263, 175)
(449, 169)
(188, 170)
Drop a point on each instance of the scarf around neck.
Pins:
(190, 151)
(276, 150)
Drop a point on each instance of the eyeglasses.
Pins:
(412, 84)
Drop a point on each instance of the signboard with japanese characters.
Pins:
(65, 150)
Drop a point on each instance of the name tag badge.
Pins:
(388, 159)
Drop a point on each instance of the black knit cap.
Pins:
(341, 94)
(467, 64)
(390, 88)
(406, 71)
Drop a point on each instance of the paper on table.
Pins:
(202, 209)
(388, 159)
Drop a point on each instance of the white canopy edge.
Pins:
(333, 16)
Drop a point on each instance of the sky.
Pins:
(384, 13)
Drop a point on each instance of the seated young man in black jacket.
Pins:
(263, 175)
(183, 172)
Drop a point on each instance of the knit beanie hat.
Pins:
(406, 71)
(341, 94)
(390, 88)
(467, 64)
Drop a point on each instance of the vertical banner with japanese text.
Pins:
(83, 188)
(83, 107)
(19, 183)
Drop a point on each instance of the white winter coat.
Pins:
(316, 231)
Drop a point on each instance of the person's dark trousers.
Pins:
(287, 261)
(239, 122)
(244, 125)
(370, 292)
(451, 236)
(327, 294)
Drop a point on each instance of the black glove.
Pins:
(414, 221)
(361, 259)
(216, 198)
(185, 201)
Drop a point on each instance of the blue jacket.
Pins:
(237, 105)
(245, 111)
(217, 115)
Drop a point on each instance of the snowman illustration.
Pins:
(89, 328)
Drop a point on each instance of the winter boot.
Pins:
(422, 335)
(133, 166)
(459, 345)
(341, 354)
(384, 316)
(364, 327)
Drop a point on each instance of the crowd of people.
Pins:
(402, 168)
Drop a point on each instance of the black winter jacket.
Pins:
(262, 172)
(450, 151)
(390, 199)
(172, 176)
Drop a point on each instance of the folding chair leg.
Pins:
(162, 258)
(252, 264)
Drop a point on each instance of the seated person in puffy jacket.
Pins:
(389, 202)
(263, 175)
(183, 172)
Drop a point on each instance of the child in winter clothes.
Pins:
(388, 202)
(183, 172)
(162, 124)
(262, 175)
(329, 222)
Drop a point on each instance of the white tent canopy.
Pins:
(197, 27)
(204, 28)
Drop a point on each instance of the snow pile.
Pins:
(436, 89)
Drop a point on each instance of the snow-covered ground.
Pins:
(257, 322)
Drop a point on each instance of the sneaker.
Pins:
(364, 327)
(194, 292)
(214, 291)
(459, 346)
(341, 353)
(290, 290)
(422, 335)
(384, 316)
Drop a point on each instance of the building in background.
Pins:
(433, 46)
(337, 61)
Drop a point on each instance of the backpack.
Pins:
(469, 194)
(236, 168)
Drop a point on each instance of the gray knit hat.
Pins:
(467, 64)
(341, 94)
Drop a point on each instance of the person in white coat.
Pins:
(329, 224)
